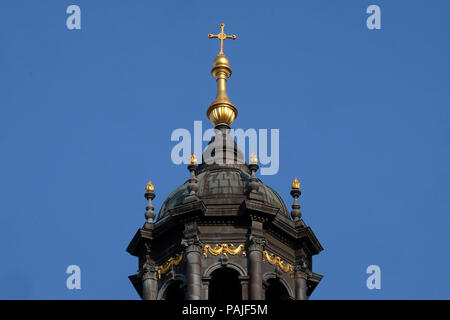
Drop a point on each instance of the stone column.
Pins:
(244, 285)
(194, 263)
(149, 282)
(205, 288)
(255, 250)
(300, 277)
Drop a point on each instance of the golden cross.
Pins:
(222, 36)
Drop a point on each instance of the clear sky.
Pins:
(86, 117)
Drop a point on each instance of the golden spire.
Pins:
(193, 159)
(221, 110)
(296, 184)
(253, 158)
(150, 187)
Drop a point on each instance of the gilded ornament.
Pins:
(296, 184)
(224, 248)
(150, 187)
(169, 264)
(193, 159)
(276, 261)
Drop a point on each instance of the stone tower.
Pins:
(224, 234)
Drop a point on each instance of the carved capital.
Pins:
(192, 245)
(148, 271)
(299, 274)
(256, 243)
(302, 265)
(206, 280)
(301, 270)
(244, 279)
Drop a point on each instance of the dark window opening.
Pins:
(175, 291)
(225, 285)
(275, 290)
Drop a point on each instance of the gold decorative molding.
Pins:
(169, 264)
(224, 248)
(276, 261)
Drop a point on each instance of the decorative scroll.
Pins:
(173, 261)
(224, 249)
(276, 261)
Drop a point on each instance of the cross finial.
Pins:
(221, 36)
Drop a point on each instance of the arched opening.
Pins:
(225, 285)
(275, 290)
(175, 291)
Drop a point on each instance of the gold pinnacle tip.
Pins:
(193, 159)
(296, 184)
(150, 187)
(253, 158)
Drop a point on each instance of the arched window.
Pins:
(275, 290)
(225, 285)
(175, 291)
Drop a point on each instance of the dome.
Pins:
(222, 184)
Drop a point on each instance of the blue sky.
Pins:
(86, 117)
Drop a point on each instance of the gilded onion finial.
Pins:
(253, 158)
(193, 159)
(221, 110)
(296, 184)
(149, 187)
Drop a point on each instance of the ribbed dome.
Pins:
(224, 185)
